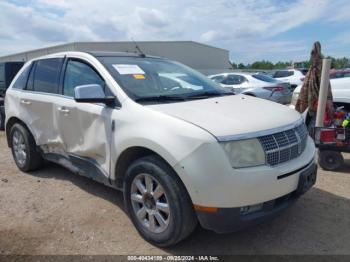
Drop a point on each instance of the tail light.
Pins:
(274, 88)
(327, 135)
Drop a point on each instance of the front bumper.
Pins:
(227, 220)
(212, 182)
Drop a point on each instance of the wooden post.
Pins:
(323, 93)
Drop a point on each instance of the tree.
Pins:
(241, 66)
(282, 65)
(337, 63)
(264, 65)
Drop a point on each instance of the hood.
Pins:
(231, 115)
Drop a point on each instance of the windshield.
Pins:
(143, 78)
(265, 78)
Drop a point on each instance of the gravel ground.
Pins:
(53, 211)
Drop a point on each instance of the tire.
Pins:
(2, 121)
(330, 160)
(24, 150)
(178, 222)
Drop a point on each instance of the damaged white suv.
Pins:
(181, 148)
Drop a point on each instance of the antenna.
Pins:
(142, 54)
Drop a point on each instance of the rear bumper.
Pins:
(282, 99)
(228, 220)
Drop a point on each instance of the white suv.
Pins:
(180, 147)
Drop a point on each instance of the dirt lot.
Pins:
(55, 212)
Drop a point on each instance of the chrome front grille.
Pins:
(284, 146)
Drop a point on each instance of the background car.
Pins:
(257, 84)
(293, 76)
(8, 71)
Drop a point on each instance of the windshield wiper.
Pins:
(208, 94)
(160, 98)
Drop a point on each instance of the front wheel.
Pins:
(157, 202)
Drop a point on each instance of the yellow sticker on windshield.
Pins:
(139, 76)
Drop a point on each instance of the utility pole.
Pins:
(323, 92)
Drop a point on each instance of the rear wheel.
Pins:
(330, 160)
(157, 202)
(24, 149)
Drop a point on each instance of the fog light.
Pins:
(250, 209)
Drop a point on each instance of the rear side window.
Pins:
(283, 73)
(218, 79)
(79, 73)
(234, 80)
(47, 75)
(22, 79)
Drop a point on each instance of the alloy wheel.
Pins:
(19, 147)
(150, 203)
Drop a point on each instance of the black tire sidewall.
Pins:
(171, 187)
(25, 134)
(338, 160)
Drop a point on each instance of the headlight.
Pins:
(295, 98)
(245, 153)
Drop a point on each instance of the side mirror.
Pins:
(92, 94)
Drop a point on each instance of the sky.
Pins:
(275, 30)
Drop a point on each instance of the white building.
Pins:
(204, 58)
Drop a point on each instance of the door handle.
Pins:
(25, 102)
(64, 110)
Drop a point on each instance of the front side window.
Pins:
(22, 78)
(47, 74)
(77, 74)
(147, 77)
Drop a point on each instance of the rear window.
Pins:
(47, 74)
(283, 73)
(265, 78)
